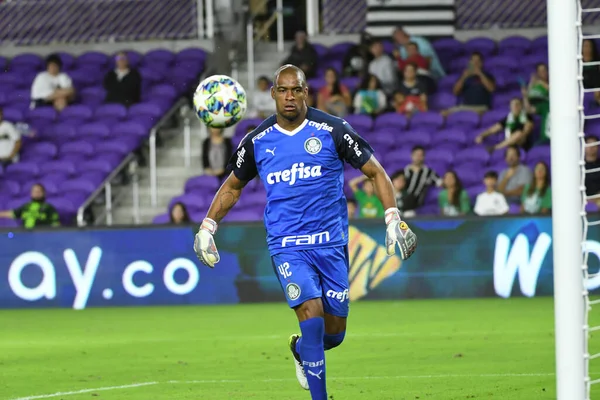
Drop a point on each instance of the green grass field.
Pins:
(432, 349)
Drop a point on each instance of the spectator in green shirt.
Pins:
(369, 205)
(35, 213)
(537, 196)
(453, 200)
(351, 204)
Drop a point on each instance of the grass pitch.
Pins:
(433, 349)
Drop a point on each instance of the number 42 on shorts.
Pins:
(284, 270)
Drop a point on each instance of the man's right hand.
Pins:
(204, 243)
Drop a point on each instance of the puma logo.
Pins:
(271, 151)
(317, 375)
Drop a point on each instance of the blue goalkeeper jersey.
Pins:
(303, 173)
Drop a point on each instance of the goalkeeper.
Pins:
(299, 154)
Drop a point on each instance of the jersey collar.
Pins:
(291, 133)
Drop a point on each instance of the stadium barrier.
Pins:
(456, 258)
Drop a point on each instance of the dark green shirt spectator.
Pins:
(36, 213)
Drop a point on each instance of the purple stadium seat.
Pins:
(158, 56)
(321, 49)
(440, 155)
(110, 112)
(537, 154)
(448, 47)
(77, 112)
(473, 192)
(202, 183)
(469, 174)
(162, 219)
(391, 119)
(514, 209)
(507, 61)
(591, 207)
(148, 111)
(129, 129)
(428, 119)
(97, 165)
(27, 61)
(23, 170)
(446, 83)
(451, 135)
(190, 200)
(11, 188)
(59, 167)
(68, 60)
(13, 79)
(416, 137)
(242, 126)
(463, 119)
(485, 46)
(402, 156)
(150, 75)
(442, 101)
(9, 223)
(242, 215)
(49, 185)
(85, 77)
(93, 131)
(428, 209)
(340, 49)
(39, 151)
(360, 122)
(94, 58)
(163, 91)
(3, 63)
(473, 155)
(77, 185)
(118, 146)
(539, 42)
(79, 147)
(62, 205)
(55, 177)
(385, 139)
(315, 84)
(19, 96)
(45, 114)
(514, 45)
(94, 177)
(191, 53)
(92, 96)
(351, 82)
(493, 116)
(62, 132)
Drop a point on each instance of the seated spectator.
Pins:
(334, 98)
(52, 87)
(412, 95)
(401, 39)
(382, 66)
(591, 73)
(303, 55)
(263, 104)
(516, 127)
(537, 196)
(10, 142)
(216, 151)
(490, 202)
(351, 203)
(475, 87)
(536, 99)
(179, 214)
(592, 161)
(453, 200)
(358, 57)
(35, 213)
(370, 98)
(419, 177)
(123, 85)
(514, 179)
(406, 202)
(369, 205)
(413, 57)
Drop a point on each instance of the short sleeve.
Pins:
(17, 212)
(351, 147)
(242, 162)
(547, 199)
(65, 81)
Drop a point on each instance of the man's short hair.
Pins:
(491, 174)
(413, 44)
(54, 59)
(397, 174)
(350, 201)
(287, 67)
(515, 148)
(417, 147)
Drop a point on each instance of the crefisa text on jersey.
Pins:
(320, 126)
(298, 171)
(352, 142)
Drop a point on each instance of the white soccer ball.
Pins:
(220, 101)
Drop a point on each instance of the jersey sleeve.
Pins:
(242, 162)
(351, 147)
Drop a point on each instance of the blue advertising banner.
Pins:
(471, 257)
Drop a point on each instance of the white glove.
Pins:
(398, 232)
(204, 243)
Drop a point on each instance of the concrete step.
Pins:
(172, 172)
(124, 215)
(163, 197)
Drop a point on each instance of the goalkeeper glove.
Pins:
(204, 243)
(398, 232)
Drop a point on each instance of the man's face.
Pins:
(412, 50)
(591, 153)
(490, 183)
(121, 61)
(516, 107)
(399, 182)
(37, 193)
(351, 209)
(512, 157)
(263, 85)
(300, 39)
(476, 61)
(53, 69)
(289, 93)
(400, 37)
(377, 49)
(418, 157)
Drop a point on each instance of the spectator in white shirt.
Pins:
(384, 68)
(263, 104)
(52, 87)
(10, 142)
(490, 202)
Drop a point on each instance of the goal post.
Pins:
(567, 202)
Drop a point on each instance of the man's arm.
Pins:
(383, 185)
(226, 197)
(6, 214)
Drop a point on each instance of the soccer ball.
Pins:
(220, 101)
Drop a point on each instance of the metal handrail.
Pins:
(152, 149)
(105, 186)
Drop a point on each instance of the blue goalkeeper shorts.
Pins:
(315, 273)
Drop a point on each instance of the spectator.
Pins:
(536, 99)
(35, 213)
(303, 55)
(419, 176)
(358, 57)
(516, 126)
(406, 202)
(123, 84)
(382, 66)
(592, 179)
(52, 87)
(453, 200)
(370, 98)
(179, 214)
(591, 73)
(216, 151)
(490, 202)
(515, 177)
(10, 142)
(369, 205)
(475, 87)
(537, 196)
(401, 39)
(413, 57)
(333, 98)
(412, 95)
(351, 203)
(263, 103)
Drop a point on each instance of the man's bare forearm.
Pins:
(227, 195)
(383, 185)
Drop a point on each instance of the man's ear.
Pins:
(273, 92)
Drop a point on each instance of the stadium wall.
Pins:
(457, 258)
